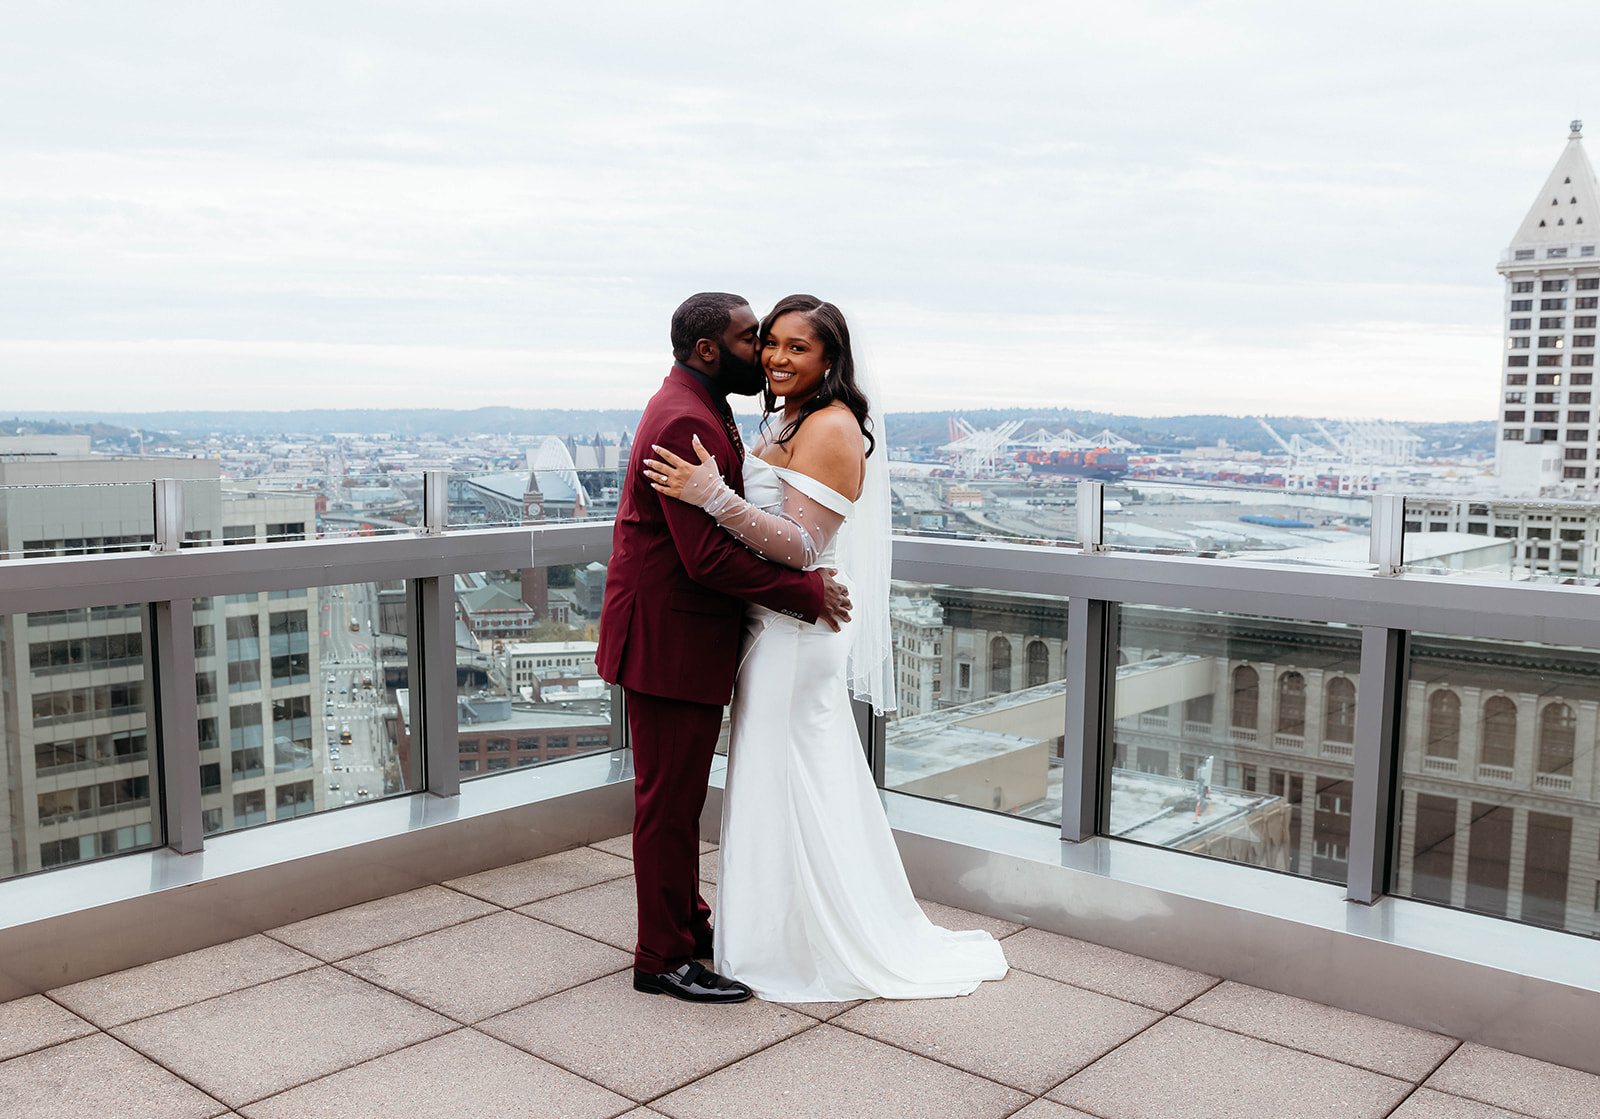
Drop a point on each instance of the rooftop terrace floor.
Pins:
(507, 993)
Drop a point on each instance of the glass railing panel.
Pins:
(41, 521)
(1251, 521)
(929, 500)
(377, 503)
(541, 480)
(528, 690)
(982, 703)
(77, 768)
(303, 700)
(1500, 539)
(1499, 794)
(1234, 737)
(280, 508)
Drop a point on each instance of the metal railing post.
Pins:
(435, 501)
(431, 606)
(169, 515)
(169, 670)
(874, 732)
(1092, 516)
(1379, 724)
(1091, 676)
(433, 693)
(1388, 532)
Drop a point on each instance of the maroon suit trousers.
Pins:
(673, 744)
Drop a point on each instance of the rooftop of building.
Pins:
(487, 993)
(1567, 207)
(549, 648)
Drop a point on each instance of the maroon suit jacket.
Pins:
(676, 583)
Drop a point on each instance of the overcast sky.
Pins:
(1148, 208)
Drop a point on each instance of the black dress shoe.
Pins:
(693, 982)
(704, 944)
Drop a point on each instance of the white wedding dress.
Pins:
(812, 900)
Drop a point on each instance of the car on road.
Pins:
(333, 786)
(344, 738)
(362, 792)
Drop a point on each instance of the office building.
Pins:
(1546, 441)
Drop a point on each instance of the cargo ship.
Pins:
(1099, 462)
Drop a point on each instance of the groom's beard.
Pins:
(739, 377)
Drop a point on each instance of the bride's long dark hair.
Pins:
(839, 384)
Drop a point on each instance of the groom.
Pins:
(669, 634)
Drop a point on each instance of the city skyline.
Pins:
(1104, 211)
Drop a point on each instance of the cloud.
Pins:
(1140, 208)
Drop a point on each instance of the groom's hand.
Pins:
(835, 600)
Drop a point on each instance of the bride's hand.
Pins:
(673, 475)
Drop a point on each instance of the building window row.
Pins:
(89, 750)
(71, 654)
(93, 800)
(84, 847)
(1339, 705)
(95, 701)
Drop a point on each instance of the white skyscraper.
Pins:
(1547, 434)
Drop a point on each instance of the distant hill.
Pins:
(906, 429)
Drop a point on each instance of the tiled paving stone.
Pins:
(487, 966)
(1178, 1067)
(460, 1074)
(97, 1077)
(361, 928)
(35, 1022)
(257, 1042)
(111, 1000)
(1355, 1039)
(622, 845)
(1097, 968)
(1025, 1031)
(822, 1011)
(1049, 1109)
(949, 917)
(520, 883)
(586, 1029)
(708, 867)
(827, 1071)
(1425, 1103)
(608, 912)
(1518, 1083)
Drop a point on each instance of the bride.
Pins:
(812, 901)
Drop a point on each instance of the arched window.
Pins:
(1292, 704)
(1499, 732)
(1246, 696)
(1038, 663)
(1444, 724)
(1339, 711)
(999, 666)
(1557, 728)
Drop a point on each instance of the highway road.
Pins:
(350, 657)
